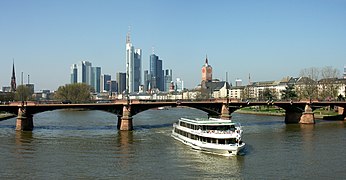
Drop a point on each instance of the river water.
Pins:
(86, 145)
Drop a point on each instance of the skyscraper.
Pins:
(74, 73)
(168, 79)
(153, 70)
(179, 85)
(156, 72)
(95, 78)
(133, 66)
(13, 80)
(83, 72)
(146, 83)
(103, 83)
(113, 86)
(121, 80)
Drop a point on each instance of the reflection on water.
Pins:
(23, 140)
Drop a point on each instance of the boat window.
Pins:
(230, 141)
(221, 141)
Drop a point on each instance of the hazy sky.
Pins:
(269, 39)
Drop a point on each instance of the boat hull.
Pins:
(225, 150)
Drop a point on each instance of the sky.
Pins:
(268, 39)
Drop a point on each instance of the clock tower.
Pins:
(207, 71)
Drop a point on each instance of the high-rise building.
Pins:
(179, 85)
(13, 80)
(121, 80)
(137, 73)
(153, 70)
(156, 73)
(103, 82)
(95, 78)
(146, 83)
(168, 79)
(238, 82)
(344, 72)
(84, 72)
(160, 81)
(74, 73)
(113, 85)
(133, 66)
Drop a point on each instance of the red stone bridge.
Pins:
(295, 111)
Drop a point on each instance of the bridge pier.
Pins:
(342, 112)
(225, 113)
(24, 120)
(119, 122)
(292, 117)
(126, 119)
(308, 116)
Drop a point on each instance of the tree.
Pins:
(267, 94)
(76, 93)
(329, 84)
(6, 96)
(308, 88)
(289, 93)
(23, 93)
(341, 98)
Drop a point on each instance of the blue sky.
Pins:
(269, 39)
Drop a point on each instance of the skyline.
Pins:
(268, 39)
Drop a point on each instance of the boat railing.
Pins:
(220, 132)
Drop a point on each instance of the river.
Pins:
(87, 145)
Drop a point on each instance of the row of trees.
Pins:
(23, 93)
(74, 93)
(322, 83)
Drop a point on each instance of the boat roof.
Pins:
(210, 121)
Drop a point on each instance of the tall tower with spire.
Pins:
(13, 80)
(207, 71)
(133, 66)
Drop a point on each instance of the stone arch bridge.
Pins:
(295, 111)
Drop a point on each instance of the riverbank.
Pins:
(4, 116)
(318, 115)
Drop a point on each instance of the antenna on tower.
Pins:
(128, 40)
(153, 49)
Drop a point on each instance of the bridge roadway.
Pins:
(295, 111)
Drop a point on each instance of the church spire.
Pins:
(206, 59)
(13, 79)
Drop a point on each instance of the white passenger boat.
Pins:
(211, 135)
